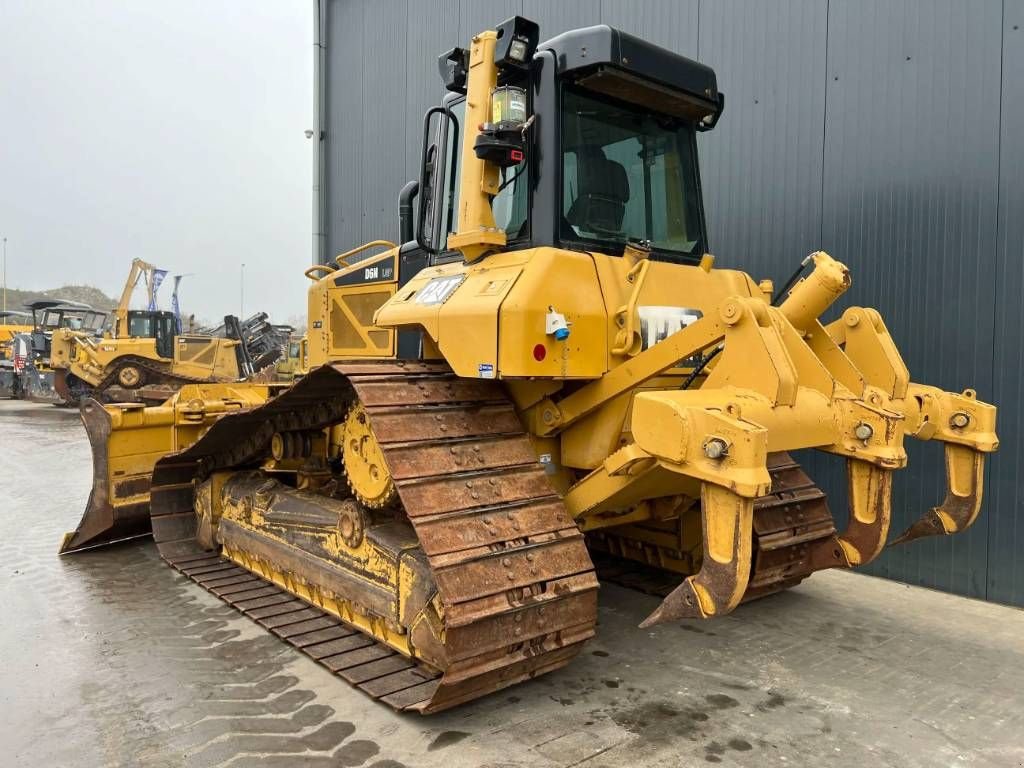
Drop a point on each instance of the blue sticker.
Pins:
(485, 371)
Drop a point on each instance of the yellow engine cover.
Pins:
(488, 319)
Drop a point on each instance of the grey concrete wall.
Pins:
(887, 132)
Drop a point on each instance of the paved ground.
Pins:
(110, 658)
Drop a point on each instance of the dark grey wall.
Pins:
(887, 132)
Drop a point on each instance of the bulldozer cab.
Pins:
(602, 152)
(159, 326)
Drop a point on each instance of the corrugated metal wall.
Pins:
(888, 132)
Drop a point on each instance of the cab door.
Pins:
(164, 335)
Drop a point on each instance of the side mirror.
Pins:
(432, 164)
(406, 225)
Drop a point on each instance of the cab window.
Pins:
(627, 174)
(140, 326)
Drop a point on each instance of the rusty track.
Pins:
(648, 556)
(513, 574)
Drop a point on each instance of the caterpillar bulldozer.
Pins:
(144, 357)
(547, 381)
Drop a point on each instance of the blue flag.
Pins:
(158, 278)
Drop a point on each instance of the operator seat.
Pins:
(603, 191)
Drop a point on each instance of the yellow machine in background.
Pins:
(143, 354)
(294, 362)
(548, 380)
(9, 374)
(10, 328)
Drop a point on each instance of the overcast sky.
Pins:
(171, 130)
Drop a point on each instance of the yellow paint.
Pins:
(365, 469)
(622, 441)
(341, 317)
(92, 360)
(477, 233)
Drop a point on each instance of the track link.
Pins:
(513, 575)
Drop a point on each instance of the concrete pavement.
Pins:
(111, 658)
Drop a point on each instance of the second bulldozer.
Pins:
(145, 357)
(547, 380)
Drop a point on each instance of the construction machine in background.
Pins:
(12, 326)
(13, 355)
(29, 374)
(12, 322)
(292, 364)
(145, 357)
(264, 341)
(546, 381)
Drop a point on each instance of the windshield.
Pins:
(140, 326)
(627, 175)
(510, 205)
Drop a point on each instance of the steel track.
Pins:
(517, 586)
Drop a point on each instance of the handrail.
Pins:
(317, 268)
(340, 259)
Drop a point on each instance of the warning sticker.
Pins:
(485, 371)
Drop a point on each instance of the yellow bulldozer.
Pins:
(144, 356)
(547, 380)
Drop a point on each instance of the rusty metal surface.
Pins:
(101, 523)
(787, 522)
(520, 595)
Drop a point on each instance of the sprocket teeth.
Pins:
(363, 461)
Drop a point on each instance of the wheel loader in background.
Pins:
(547, 379)
(145, 357)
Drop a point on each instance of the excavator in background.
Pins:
(145, 358)
(547, 381)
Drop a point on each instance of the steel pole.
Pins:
(241, 294)
(5, 280)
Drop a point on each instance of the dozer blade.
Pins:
(116, 510)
